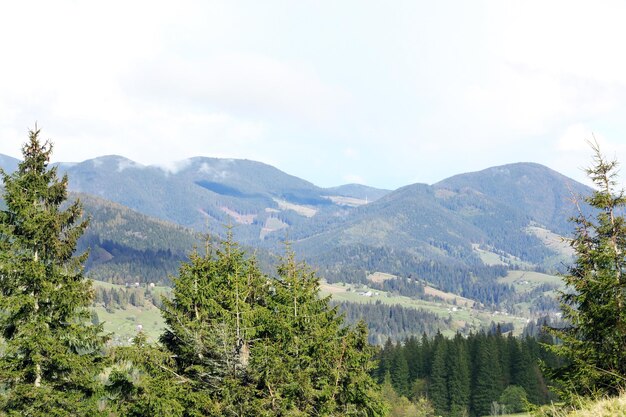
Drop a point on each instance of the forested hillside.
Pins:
(516, 212)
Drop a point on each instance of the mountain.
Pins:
(510, 215)
(126, 246)
(8, 163)
(544, 196)
(207, 193)
(359, 191)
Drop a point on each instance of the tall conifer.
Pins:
(52, 352)
(595, 304)
(438, 385)
(459, 378)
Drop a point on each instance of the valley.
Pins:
(473, 249)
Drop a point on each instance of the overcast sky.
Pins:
(377, 92)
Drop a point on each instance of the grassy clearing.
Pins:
(459, 314)
(525, 281)
(492, 258)
(347, 201)
(488, 258)
(555, 242)
(380, 277)
(449, 297)
(301, 210)
(124, 324)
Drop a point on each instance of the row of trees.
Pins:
(465, 375)
(238, 342)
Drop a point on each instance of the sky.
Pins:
(374, 92)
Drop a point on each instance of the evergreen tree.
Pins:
(595, 303)
(385, 359)
(438, 386)
(413, 355)
(310, 363)
(143, 382)
(52, 352)
(487, 375)
(246, 344)
(400, 371)
(216, 307)
(459, 378)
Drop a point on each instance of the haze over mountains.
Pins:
(513, 213)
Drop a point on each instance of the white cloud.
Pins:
(240, 83)
(412, 93)
(174, 167)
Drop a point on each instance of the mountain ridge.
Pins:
(491, 209)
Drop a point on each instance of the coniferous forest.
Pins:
(468, 375)
(239, 341)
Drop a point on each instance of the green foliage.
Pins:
(458, 377)
(144, 382)
(241, 343)
(595, 303)
(52, 352)
(487, 384)
(514, 399)
(465, 376)
(438, 387)
(401, 406)
(391, 321)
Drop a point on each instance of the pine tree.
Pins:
(251, 345)
(595, 303)
(459, 379)
(413, 355)
(385, 359)
(400, 371)
(143, 382)
(310, 363)
(212, 319)
(487, 375)
(52, 352)
(438, 384)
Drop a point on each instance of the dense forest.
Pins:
(465, 375)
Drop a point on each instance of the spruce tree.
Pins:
(595, 302)
(212, 319)
(52, 352)
(400, 371)
(459, 378)
(246, 344)
(309, 362)
(438, 384)
(487, 375)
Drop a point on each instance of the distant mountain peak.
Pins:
(114, 162)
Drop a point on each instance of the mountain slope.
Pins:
(503, 211)
(445, 223)
(8, 164)
(542, 194)
(208, 193)
(126, 246)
